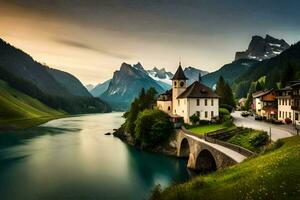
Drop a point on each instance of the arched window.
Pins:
(181, 83)
(169, 108)
(175, 83)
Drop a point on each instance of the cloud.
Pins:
(85, 46)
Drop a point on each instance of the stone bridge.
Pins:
(202, 155)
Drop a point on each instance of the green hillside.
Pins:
(230, 72)
(18, 110)
(273, 175)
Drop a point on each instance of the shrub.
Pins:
(276, 145)
(152, 127)
(223, 111)
(224, 114)
(227, 107)
(259, 139)
(194, 119)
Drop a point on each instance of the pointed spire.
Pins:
(179, 75)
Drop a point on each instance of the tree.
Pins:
(220, 87)
(228, 98)
(144, 101)
(152, 127)
(224, 91)
(249, 97)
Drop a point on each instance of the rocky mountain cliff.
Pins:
(100, 88)
(126, 85)
(263, 48)
(193, 74)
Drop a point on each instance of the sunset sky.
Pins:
(91, 38)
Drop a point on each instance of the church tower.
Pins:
(179, 85)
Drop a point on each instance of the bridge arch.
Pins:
(205, 162)
(184, 149)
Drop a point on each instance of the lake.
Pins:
(71, 158)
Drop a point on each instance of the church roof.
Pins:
(179, 75)
(167, 96)
(198, 90)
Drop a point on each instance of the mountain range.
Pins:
(127, 82)
(57, 89)
(265, 57)
(114, 90)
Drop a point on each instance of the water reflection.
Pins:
(71, 158)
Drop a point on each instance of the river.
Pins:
(71, 158)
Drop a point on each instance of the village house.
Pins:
(183, 101)
(296, 102)
(285, 101)
(265, 104)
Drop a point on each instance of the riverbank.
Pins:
(18, 124)
(168, 148)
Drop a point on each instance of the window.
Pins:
(181, 83)
(212, 114)
(279, 114)
(212, 102)
(198, 102)
(296, 116)
(279, 101)
(178, 102)
(198, 113)
(175, 83)
(205, 102)
(290, 115)
(206, 114)
(169, 108)
(289, 102)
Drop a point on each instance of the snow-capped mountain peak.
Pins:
(263, 48)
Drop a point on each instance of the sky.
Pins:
(91, 38)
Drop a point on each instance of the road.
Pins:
(277, 131)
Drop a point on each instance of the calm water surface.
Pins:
(71, 158)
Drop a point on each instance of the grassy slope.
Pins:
(273, 175)
(243, 139)
(18, 110)
(202, 129)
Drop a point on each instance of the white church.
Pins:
(183, 101)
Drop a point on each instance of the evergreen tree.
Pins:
(224, 91)
(249, 97)
(229, 98)
(220, 88)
